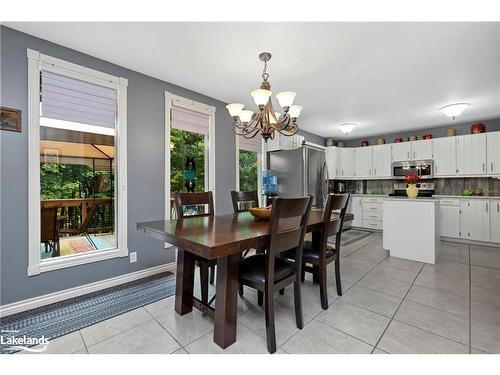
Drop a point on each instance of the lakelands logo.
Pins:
(14, 342)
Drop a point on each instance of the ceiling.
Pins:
(387, 77)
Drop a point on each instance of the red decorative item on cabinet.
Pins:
(398, 140)
(364, 143)
(477, 128)
(427, 136)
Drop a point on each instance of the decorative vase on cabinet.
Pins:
(412, 191)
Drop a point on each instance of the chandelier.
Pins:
(248, 124)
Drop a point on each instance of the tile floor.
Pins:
(389, 305)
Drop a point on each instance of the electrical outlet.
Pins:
(133, 257)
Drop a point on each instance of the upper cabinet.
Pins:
(401, 151)
(332, 155)
(471, 154)
(421, 150)
(282, 142)
(363, 162)
(493, 146)
(382, 161)
(347, 161)
(445, 156)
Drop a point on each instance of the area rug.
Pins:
(67, 316)
(349, 236)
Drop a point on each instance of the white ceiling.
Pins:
(387, 77)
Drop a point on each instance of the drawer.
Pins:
(373, 216)
(449, 202)
(372, 207)
(372, 224)
(373, 199)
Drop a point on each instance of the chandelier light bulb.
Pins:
(261, 96)
(234, 109)
(347, 127)
(246, 115)
(285, 98)
(454, 110)
(295, 110)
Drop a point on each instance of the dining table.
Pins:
(224, 238)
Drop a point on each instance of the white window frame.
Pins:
(36, 60)
(260, 167)
(178, 101)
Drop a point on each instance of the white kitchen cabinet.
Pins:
(471, 155)
(475, 219)
(495, 221)
(382, 161)
(347, 162)
(356, 208)
(445, 156)
(421, 150)
(493, 146)
(283, 142)
(449, 213)
(401, 151)
(333, 163)
(363, 162)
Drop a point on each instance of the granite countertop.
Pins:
(369, 195)
(426, 199)
(466, 197)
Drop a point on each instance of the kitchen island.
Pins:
(411, 228)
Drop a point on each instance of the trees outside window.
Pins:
(248, 170)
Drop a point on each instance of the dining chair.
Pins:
(192, 205)
(321, 255)
(49, 231)
(268, 272)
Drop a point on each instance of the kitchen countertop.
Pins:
(436, 196)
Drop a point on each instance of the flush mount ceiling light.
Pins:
(454, 110)
(248, 124)
(347, 127)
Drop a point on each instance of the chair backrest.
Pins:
(244, 196)
(48, 224)
(334, 202)
(89, 216)
(194, 199)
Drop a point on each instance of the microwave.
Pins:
(420, 168)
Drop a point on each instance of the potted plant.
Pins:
(411, 181)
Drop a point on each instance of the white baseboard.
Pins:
(31, 303)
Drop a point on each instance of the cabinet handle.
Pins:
(375, 170)
(491, 167)
(370, 171)
(374, 217)
(498, 207)
(408, 154)
(483, 166)
(414, 155)
(486, 206)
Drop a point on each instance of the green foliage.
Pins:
(186, 144)
(248, 170)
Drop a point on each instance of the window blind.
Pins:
(69, 99)
(191, 121)
(253, 144)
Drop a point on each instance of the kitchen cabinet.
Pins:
(373, 212)
(382, 161)
(401, 151)
(347, 162)
(445, 156)
(363, 162)
(356, 208)
(493, 146)
(421, 150)
(495, 221)
(471, 154)
(449, 212)
(282, 142)
(332, 155)
(475, 219)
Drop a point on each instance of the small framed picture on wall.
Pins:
(10, 119)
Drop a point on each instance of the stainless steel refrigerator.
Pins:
(301, 172)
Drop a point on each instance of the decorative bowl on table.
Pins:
(261, 213)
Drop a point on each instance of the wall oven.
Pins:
(420, 168)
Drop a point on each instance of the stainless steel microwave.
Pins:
(421, 168)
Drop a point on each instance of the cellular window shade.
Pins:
(252, 144)
(191, 121)
(69, 99)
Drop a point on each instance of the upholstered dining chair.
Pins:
(316, 258)
(269, 273)
(192, 205)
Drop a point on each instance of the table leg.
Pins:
(184, 282)
(226, 300)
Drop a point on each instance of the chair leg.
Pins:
(270, 329)
(322, 287)
(240, 292)
(315, 274)
(303, 272)
(260, 298)
(282, 291)
(297, 298)
(337, 277)
(212, 275)
(204, 283)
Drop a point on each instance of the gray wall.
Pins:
(437, 132)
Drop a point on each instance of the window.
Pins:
(249, 164)
(77, 164)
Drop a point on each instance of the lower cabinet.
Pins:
(356, 208)
(450, 218)
(495, 221)
(475, 219)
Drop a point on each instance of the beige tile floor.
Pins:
(389, 305)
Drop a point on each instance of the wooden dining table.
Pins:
(221, 237)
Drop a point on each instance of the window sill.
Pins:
(75, 260)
